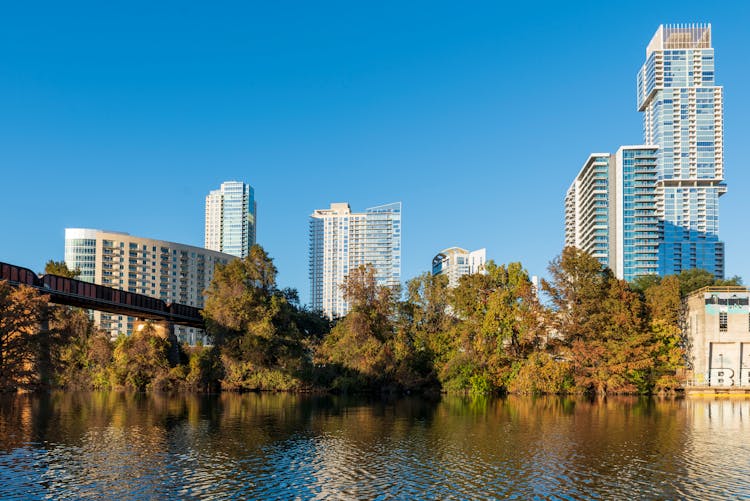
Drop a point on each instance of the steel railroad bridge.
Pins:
(73, 292)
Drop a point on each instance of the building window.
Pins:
(723, 321)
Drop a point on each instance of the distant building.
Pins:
(610, 211)
(342, 240)
(165, 270)
(231, 219)
(718, 330)
(456, 262)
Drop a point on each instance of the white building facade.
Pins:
(342, 240)
(231, 219)
(456, 262)
(165, 270)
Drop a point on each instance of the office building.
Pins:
(231, 219)
(165, 270)
(456, 262)
(610, 210)
(342, 240)
(683, 115)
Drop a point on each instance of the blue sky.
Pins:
(475, 116)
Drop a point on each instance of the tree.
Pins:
(60, 269)
(696, 278)
(79, 354)
(666, 313)
(618, 357)
(579, 283)
(362, 341)
(22, 309)
(499, 325)
(264, 337)
(601, 325)
(140, 358)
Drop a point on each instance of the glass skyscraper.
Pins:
(341, 240)
(654, 208)
(683, 114)
(231, 219)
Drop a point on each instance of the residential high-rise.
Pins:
(342, 240)
(587, 202)
(456, 262)
(654, 209)
(610, 210)
(683, 114)
(231, 219)
(165, 270)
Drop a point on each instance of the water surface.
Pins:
(280, 446)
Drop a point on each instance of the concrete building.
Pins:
(456, 262)
(165, 270)
(342, 240)
(231, 221)
(718, 329)
(683, 114)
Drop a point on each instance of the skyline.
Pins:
(433, 108)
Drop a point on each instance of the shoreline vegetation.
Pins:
(593, 334)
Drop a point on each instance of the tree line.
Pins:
(591, 333)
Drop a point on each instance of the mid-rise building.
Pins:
(342, 240)
(231, 219)
(683, 115)
(456, 262)
(165, 270)
(610, 211)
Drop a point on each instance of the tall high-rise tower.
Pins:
(342, 240)
(683, 115)
(231, 219)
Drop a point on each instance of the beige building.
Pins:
(718, 331)
(173, 272)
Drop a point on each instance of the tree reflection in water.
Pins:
(283, 446)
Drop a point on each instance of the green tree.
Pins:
(500, 324)
(60, 269)
(141, 358)
(666, 313)
(578, 284)
(696, 278)
(256, 327)
(79, 354)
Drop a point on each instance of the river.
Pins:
(284, 446)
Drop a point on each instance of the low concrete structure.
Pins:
(718, 333)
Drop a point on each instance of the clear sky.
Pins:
(476, 116)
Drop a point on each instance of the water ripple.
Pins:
(285, 447)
